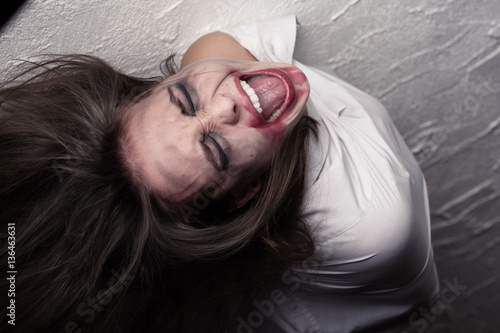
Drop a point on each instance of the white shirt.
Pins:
(366, 204)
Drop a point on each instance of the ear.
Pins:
(244, 193)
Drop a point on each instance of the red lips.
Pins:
(273, 98)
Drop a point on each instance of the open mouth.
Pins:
(270, 94)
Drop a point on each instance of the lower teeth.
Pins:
(275, 113)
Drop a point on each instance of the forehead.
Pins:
(212, 65)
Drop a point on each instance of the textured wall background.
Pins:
(435, 64)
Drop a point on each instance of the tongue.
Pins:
(271, 92)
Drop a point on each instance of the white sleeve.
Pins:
(271, 40)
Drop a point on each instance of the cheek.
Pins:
(253, 160)
(248, 150)
(272, 134)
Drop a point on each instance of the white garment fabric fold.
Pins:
(366, 203)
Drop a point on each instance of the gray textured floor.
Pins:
(436, 67)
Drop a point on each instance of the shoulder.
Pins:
(215, 45)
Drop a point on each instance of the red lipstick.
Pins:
(283, 74)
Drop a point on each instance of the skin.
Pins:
(197, 130)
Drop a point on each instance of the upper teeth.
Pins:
(252, 95)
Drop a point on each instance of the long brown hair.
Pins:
(93, 250)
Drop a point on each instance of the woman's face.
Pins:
(202, 128)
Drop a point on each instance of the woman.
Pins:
(105, 244)
(149, 205)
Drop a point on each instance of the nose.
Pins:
(223, 109)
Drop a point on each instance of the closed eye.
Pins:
(190, 104)
(224, 162)
(183, 100)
